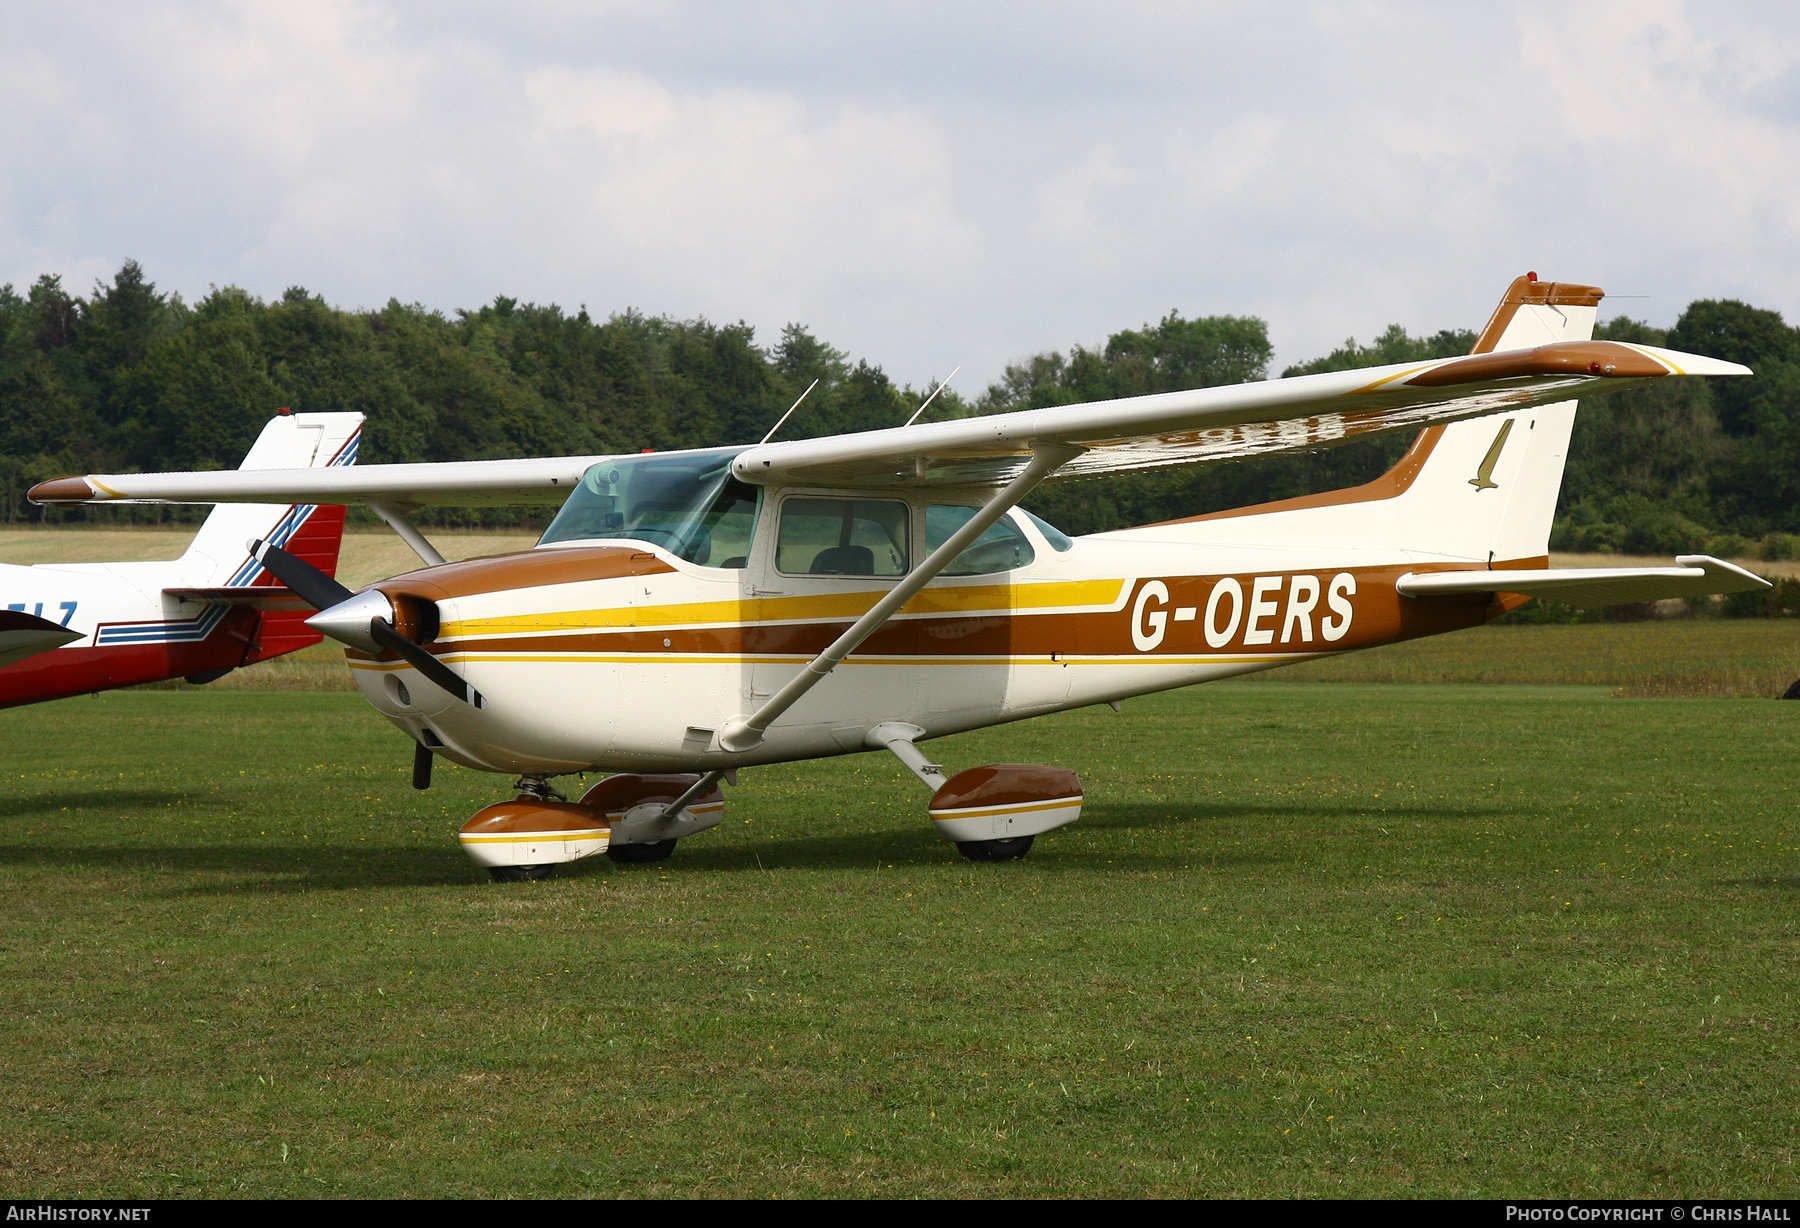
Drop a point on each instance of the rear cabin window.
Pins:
(1001, 548)
(842, 537)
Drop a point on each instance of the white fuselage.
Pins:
(638, 671)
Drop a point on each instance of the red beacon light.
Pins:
(1531, 277)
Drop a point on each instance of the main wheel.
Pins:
(629, 854)
(521, 874)
(995, 850)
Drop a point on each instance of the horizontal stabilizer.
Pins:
(263, 596)
(23, 635)
(1698, 575)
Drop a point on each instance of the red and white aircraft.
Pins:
(690, 613)
(73, 628)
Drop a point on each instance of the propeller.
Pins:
(303, 579)
(363, 620)
(383, 633)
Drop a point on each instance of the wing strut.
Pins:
(742, 733)
(395, 518)
(700, 788)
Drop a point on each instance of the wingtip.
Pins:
(62, 490)
(1693, 364)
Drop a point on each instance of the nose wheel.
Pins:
(522, 841)
(520, 874)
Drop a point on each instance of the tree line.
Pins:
(130, 378)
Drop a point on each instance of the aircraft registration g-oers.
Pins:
(690, 613)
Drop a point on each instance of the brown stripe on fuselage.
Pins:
(1392, 484)
(1380, 616)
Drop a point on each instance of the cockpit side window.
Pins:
(842, 537)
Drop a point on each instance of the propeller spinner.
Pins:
(363, 620)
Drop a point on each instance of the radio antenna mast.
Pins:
(786, 416)
(933, 396)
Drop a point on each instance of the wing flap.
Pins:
(1698, 575)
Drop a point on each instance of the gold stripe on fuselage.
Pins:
(965, 599)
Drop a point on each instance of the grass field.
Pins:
(1326, 939)
(363, 558)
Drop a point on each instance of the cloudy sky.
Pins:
(924, 184)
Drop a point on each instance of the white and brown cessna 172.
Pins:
(690, 613)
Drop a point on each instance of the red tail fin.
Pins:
(317, 541)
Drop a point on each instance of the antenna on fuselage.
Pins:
(786, 416)
(933, 396)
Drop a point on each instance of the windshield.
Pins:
(689, 504)
(1001, 548)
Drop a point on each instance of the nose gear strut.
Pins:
(537, 786)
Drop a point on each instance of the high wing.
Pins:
(1214, 425)
(537, 480)
(1202, 426)
(1698, 575)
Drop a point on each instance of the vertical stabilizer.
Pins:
(1487, 488)
(1483, 490)
(217, 557)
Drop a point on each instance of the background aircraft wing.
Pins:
(1697, 575)
(23, 635)
(1213, 425)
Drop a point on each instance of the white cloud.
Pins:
(923, 185)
